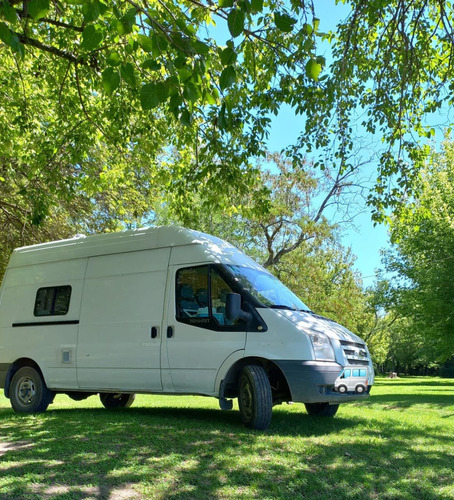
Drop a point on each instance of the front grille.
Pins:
(353, 344)
(358, 362)
(355, 353)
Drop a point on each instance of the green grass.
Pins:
(397, 445)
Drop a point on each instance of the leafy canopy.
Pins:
(207, 76)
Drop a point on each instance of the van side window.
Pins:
(192, 291)
(201, 295)
(52, 301)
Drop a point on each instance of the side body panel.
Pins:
(51, 341)
(120, 327)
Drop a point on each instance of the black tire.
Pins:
(360, 389)
(342, 389)
(114, 400)
(321, 409)
(255, 398)
(28, 391)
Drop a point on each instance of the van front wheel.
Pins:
(255, 398)
(28, 391)
(116, 400)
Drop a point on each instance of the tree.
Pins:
(59, 177)
(423, 237)
(130, 66)
(322, 274)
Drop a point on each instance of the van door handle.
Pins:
(154, 332)
(169, 332)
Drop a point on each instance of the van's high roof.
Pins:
(211, 248)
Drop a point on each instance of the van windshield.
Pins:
(267, 289)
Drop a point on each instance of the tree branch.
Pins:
(47, 48)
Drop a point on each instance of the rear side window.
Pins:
(52, 301)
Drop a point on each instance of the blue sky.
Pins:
(365, 240)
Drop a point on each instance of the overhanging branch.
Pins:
(24, 39)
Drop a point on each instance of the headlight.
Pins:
(322, 346)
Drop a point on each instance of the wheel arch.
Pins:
(279, 385)
(19, 363)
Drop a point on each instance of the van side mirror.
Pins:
(233, 310)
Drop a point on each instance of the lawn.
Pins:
(397, 445)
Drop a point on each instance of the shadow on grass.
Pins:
(433, 393)
(417, 382)
(202, 453)
(405, 400)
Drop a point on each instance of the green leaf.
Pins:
(159, 45)
(191, 92)
(228, 56)
(235, 22)
(8, 13)
(210, 98)
(6, 35)
(9, 38)
(201, 47)
(113, 59)
(284, 22)
(38, 8)
(128, 74)
(307, 29)
(91, 37)
(150, 64)
(228, 77)
(17, 46)
(125, 23)
(222, 121)
(153, 94)
(128, 20)
(110, 80)
(185, 118)
(313, 69)
(185, 74)
(225, 3)
(91, 11)
(256, 6)
(145, 42)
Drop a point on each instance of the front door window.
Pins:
(201, 297)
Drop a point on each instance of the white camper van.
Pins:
(165, 310)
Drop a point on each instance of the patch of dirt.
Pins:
(18, 445)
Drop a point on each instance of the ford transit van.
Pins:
(165, 310)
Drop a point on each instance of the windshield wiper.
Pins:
(279, 306)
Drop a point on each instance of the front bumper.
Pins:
(313, 382)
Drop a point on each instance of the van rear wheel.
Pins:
(255, 398)
(321, 409)
(113, 400)
(28, 391)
